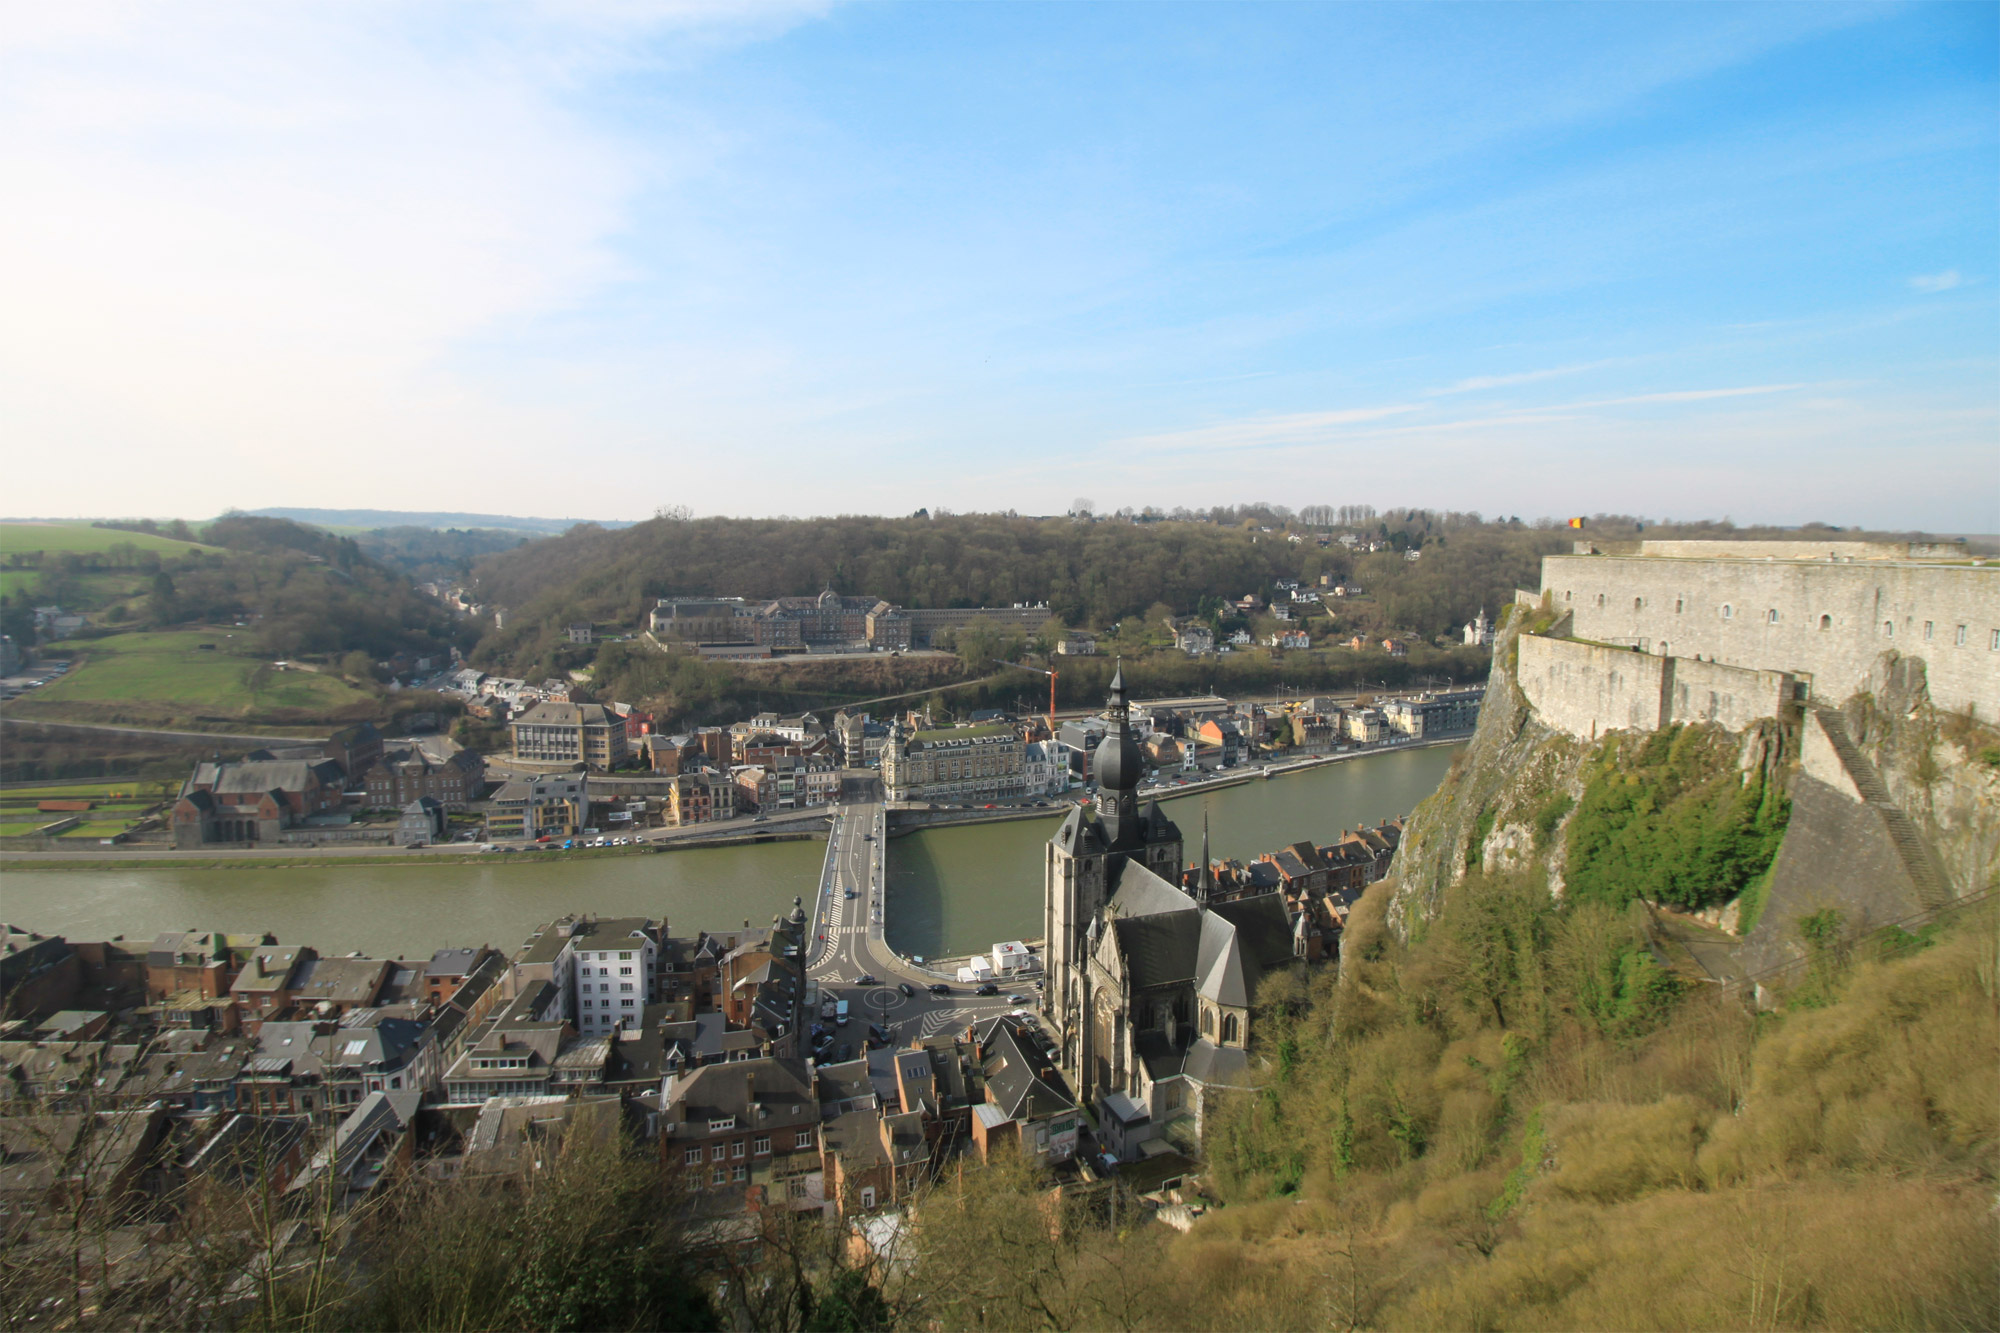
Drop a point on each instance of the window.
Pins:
(1679, 603)
(736, 1148)
(1961, 636)
(721, 1176)
(1888, 629)
(1994, 642)
(1728, 611)
(586, 1004)
(804, 1140)
(1638, 603)
(627, 1004)
(1771, 616)
(718, 1152)
(867, 1196)
(742, 1173)
(692, 1157)
(625, 986)
(762, 1146)
(603, 985)
(1600, 599)
(1826, 622)
(624, 971)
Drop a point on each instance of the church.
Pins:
(1149, 987)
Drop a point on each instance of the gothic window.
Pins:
(1228, 1029)
(1207, 1022)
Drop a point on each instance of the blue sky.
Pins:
(589, 259)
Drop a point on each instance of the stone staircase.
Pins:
(1932, 885)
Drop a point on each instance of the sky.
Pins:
(591, 258)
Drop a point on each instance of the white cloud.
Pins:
(1936, 282)
(1479, 382)
(265, 232)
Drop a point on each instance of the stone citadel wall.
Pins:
(1827, 622)
(1587, 689)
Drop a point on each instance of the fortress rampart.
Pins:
(1826, 622)
(1588, 689)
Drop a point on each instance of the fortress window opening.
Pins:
(1679, 603)
(1772, 617)
(1888, 629)
(1927, 631)
(1728, 611)
(1638, 603)
(1826, 622)
(1961, 636)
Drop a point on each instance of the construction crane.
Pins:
(1040, 671)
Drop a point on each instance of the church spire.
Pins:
(1204, 882)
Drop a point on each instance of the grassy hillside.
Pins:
(84, 538)
(166, 678)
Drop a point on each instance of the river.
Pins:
(957, 890)
(411, 910)
(951, 890)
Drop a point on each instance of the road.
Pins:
(849, 944)
(159, 731)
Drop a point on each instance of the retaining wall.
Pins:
(1587, 689)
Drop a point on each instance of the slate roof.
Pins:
(1020, 1078)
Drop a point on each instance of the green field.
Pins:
(148, 676)
(82, 538)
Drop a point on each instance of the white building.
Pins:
(1043, 772)
(1479, 632)
(606, 970)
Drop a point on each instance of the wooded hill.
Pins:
(1091, 574)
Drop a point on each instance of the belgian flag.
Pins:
(1576, 522)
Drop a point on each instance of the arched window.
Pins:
(1771, 616)
(1728, 611)
(1228, 1028)
(1207, 1021)
(1638, 603)
(1888, 629)
(1826, 622)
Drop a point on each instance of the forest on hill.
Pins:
(1089, 573)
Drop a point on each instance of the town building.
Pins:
(254, 801)
(1479, 631)
(409, 773)
(566, 733)
(700, 797)
(1433, 714)
(554, 806)
(954, 764)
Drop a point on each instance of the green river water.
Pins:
(951, 890)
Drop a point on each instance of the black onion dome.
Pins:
(1118, 764)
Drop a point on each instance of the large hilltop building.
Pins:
(1737, 631)
(829, 622)
(1149, 986)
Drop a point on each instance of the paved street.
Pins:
(849, 945)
